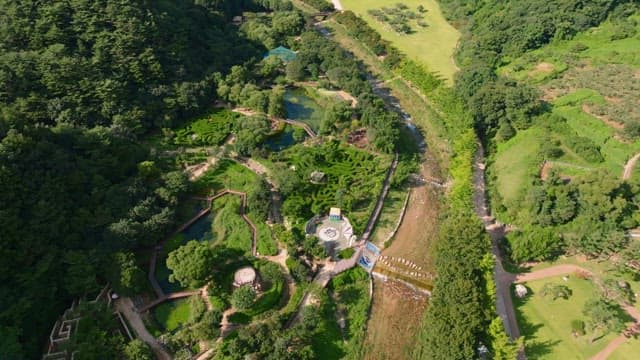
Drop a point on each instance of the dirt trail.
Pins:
(125, 306)
(628, 167)
(610, 348)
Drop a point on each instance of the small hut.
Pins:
(246, 276)
(335, 214)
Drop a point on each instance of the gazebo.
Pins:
(245, 276)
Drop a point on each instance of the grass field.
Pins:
(228, 175)
(514, 160)
(433, 45)
(229, 227)
(546, 324)
(630, 350)
(172, 314)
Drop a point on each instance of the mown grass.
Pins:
(432, 46)
(627, 351)
(267, 301)
(514, 160)
(172, 314)
(546, 324)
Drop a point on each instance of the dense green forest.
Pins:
(80, 81)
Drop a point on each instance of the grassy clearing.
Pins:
(627, 351)
(546, 324)
(615, 152)
(514, 160)
(433, 45)
(229, 227)
(327, 341)
(389, 216)
(594, 45)
(172, 314)
(228, 175)
(602, 269)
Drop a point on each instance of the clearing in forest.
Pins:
(546, 323)
(433, 44)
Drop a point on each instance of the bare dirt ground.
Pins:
(397, 310)
(418, 229)
(543, 68)
(396, 316)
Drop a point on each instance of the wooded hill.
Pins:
(79, 81)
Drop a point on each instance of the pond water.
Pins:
(302, 108)
(201, 231)
(282, 140)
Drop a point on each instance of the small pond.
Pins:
(302, 108)
(201, 230)
(281, 140)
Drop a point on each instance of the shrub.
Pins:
(243, 297)
(555, 291)
(577, 327)
(346, 253)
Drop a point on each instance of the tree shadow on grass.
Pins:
(534, 349)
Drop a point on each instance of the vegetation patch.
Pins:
(432, 45)
(209, 130)
(171, 315)
(547, 323)
(353, 181)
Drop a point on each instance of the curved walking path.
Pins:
(628, 167)
(126, 308)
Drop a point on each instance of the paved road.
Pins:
(337, 4)
(125, 306)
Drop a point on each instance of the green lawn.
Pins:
(513, 162)
(172, 314)
(545, 323)
(228, 174)
(630, 350)
(228, 226)
(389, 216)
(433, 46)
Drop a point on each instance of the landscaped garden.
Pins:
(555, 321)
(353, 180)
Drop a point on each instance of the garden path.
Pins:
(628, 167)
(125, 306)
